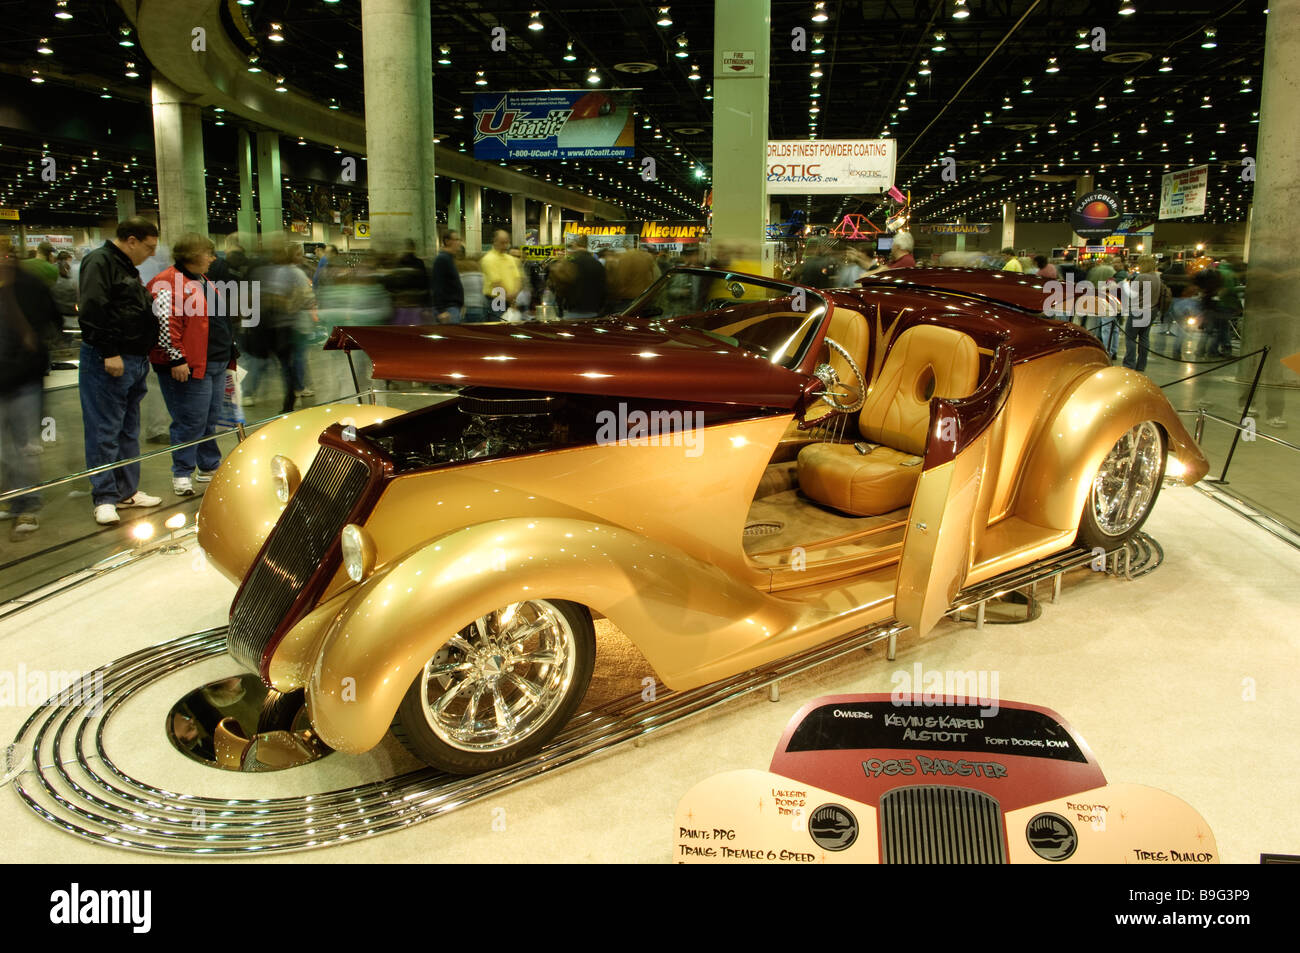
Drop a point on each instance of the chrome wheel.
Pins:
(501, 678)
(1127, 482)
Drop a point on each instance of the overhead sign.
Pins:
(830, 166)
(542, 252)
(955, 228)
(553, 124)
(362, 229)
(9, 214)
(739, 61)
(58, 241)
(1182, 194)
(1096, 214)
(1130, 224)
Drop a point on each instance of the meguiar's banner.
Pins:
(553, 124)
(830, 166)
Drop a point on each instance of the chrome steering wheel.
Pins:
(844, 397)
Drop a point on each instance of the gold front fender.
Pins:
(1105, 404)
(239, 507)
(680, 612)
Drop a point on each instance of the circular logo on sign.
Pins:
(1051, 836)
(1096, 214)
(833, 827)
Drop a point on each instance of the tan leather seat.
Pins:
(924, 361)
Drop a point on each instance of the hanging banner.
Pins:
(9, 214)
(1130, 224)
(1095, 214)
(554, 124)
(830, 166)
(955, 228)
(1182, 194)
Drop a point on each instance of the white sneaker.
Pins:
(248, 401)
(106, 515)
(204, 476)
(141, 498)
(1277, 421)
(181, 486)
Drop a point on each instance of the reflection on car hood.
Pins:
(617, 357)
(1016, 289)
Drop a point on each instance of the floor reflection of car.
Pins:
(727, 486)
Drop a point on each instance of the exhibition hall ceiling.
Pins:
(1023, 96)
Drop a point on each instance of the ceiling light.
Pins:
(1128, 84)
(458, 114)
(279, 85)
(1074, 117)
(61, 13)
(1081, 40)
(665, 19)
(1027, 88)
(911, 87)
(1169, 115)
(1006, 102)
(938, 43)
(1126, 8)
(535, 21)
(1101, 103)
(1209, 42)
(334, 103)
(104, 94)
(695, 72)
(339, 62)
(682, 52)
(593, 77)
(708, 93)
(959, 10)
(925, 68)
(1142, 129)
(1245, 84)
(1205, 104)
(1166, 64)
(479, 78)
(444, 55)
(44, 47)
(816, 72)
(130, 70)
(1051, 65)
(819, 12)
(275, 36)
(37, 77)
(817, 49)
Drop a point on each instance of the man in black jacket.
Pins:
(448, 292)
(584, 296)
(118, 330)
(28, 322)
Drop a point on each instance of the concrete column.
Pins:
(473, 219)
(557, 225)
(247, 216)
(1008, 225)
(1082, 186)
(588, 216)
(454, 213)
(740, 133)
(398, 64)
(773, 212)
(125, 204)
(270, 194)
(518, 219)
(961, 239)
(178, 150)
(1270, 318)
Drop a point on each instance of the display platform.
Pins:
(1180, 679)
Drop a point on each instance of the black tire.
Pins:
(412, 727)
(1092, 533)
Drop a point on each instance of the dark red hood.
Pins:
(1009, 287)
(618, 358)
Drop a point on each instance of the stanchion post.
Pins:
(1250, 399)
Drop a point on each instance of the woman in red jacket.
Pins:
(191, 390)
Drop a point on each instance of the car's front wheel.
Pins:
(500, 688)
(1125, 488)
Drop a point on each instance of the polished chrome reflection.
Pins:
(238, 724)
(501, 678)
(1128, 479)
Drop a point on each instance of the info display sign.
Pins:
(830, 166)
(553, 124)
(1182, 194)
(1096, 214)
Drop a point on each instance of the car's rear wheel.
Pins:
(500, 688)
(1125, 488)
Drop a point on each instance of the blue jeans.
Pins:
(194, 405)
(20, 428)
(110, 416)
(1106, 328)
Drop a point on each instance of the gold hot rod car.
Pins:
(733, 470)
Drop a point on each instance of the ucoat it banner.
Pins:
(558, 124)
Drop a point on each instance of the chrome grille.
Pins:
(938, 824)
(311, 522)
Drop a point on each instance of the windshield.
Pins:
(773, 319)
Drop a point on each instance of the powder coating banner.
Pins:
(1182, 194)
(557, 124)
(830, 166)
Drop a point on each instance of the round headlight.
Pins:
(358, 552)
(285, 476)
